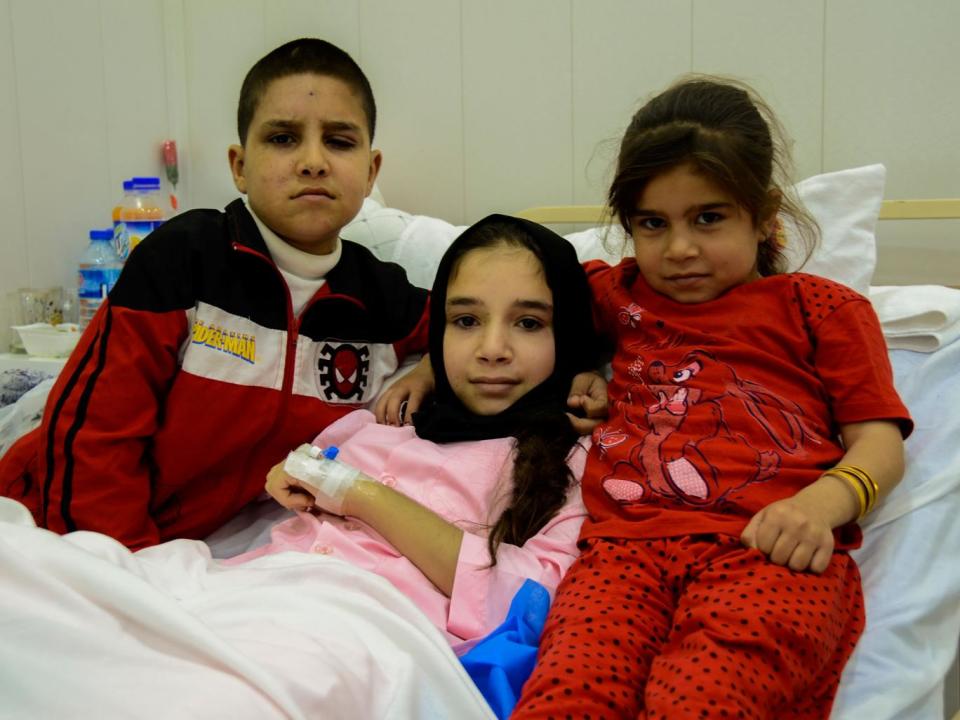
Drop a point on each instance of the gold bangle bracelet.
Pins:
(854, 485)
(853, 477)
(869, 485)
(869, 478)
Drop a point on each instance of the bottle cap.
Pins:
(146, 182)
(102, 234)
(127, 185)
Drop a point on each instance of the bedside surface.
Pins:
(20, 361)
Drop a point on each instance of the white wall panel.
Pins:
(777, 47)
(411, 53)
(135, 91)
(337, 21)
(63, 132)
(177, 104)
(892, 92)
(517, 104)
(13, 241)
(623, 50)
(892, 96)
(223, 39)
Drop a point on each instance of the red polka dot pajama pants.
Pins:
(693, 627)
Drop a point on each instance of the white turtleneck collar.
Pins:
(303, 272)
(297, 262)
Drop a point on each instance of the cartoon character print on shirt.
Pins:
(702, 392)
(343, 370)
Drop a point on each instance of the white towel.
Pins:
(923, 318)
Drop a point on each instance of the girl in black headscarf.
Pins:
(510, 326)
(538, 419)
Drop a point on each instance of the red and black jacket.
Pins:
(195, 378)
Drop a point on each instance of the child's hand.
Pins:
(327, 480)
(588, 394)
(287, 490)
(791, 532)
(402, 399)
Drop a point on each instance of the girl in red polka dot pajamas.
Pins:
(753, 420)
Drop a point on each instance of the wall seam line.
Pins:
(103, 103)
(573, 114)
(23, 177)
(463, 127)
(823, 89)
(692, 26)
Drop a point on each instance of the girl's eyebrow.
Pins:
(705, 207)
(534, 305)
(520, 303)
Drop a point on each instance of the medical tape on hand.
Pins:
(328, 480)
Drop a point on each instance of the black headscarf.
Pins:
(444, 418)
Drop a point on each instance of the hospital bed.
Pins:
(91, 630)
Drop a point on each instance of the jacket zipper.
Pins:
(293, 328)
(293, 323)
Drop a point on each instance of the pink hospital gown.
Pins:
(468, 484)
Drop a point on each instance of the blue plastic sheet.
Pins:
(501, 663)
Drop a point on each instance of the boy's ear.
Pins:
(235, 156)
(376, 159)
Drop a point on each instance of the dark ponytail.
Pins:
(541, 481)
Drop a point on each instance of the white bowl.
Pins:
(46, 340)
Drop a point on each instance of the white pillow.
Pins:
(422, 244)
(377, 228)
(845, 203)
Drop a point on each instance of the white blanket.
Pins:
(91, 630)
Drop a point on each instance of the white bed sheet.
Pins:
(91, 630)
(909, 559)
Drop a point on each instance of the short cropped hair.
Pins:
(306, 55)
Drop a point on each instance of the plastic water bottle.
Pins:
(144, 212)
(121, 242)
(99, 269)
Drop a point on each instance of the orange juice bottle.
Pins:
(144, 213)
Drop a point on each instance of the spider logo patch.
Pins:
(343, 370)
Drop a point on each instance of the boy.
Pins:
(231, 336)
